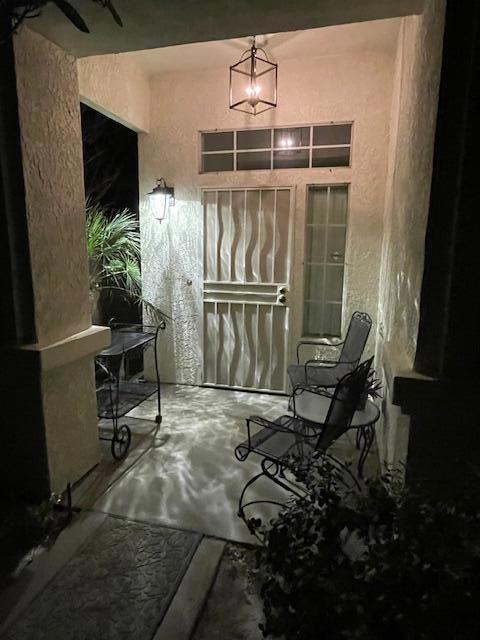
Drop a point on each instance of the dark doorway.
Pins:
(110, 163)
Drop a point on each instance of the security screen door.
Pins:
(246, 314)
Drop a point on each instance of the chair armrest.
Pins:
(321, 342)
(312, 388)
(279, 428)
(315, 362)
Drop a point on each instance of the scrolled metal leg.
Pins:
(368, 434)
(158, 417)
(267, 466)
(358, 439)
(241, 506)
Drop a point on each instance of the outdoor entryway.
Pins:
(247, 264)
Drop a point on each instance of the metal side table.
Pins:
(364, 421)
(117, 394)
(313, 409)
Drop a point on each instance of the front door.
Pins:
(247, 264)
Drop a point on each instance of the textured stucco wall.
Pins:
(70, 411)
(413, 117)
(49, 114)
(116, 86)
(355, 86)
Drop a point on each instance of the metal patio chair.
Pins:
(326, 373)
(289, 442)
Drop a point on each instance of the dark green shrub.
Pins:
(373, 562)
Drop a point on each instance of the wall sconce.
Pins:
(162, 196)
(253, 82)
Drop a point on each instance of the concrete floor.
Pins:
(184, 474)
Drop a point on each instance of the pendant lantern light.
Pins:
(253, 82)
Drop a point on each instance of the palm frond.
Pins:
(113, 247)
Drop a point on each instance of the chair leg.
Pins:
(284, 485)
(249, 484)
(368, 435)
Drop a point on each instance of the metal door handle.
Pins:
(282, 299)
(336, 255)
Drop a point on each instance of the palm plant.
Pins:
(113, 247)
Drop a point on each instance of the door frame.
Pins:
(292, 300)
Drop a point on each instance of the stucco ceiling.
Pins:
(374, 35)
(150, 24)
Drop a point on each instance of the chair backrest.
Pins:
(344, 404)
(356, 338)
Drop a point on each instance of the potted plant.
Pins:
(113, 248)
(370, 561)
(371, 390)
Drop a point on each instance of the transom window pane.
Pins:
(303, 147)
(324, 260)
(254, 139)
(221, 141)
(291, 159)
(331, 157)
(332, 134)
(218, 162)
(285, 138)
(253, 160)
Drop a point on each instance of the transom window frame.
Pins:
(235, 151)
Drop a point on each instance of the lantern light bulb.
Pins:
(286, 142)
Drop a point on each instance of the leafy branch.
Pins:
(19, 11)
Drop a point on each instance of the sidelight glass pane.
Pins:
(338, 205)
(312, 314)
(316, 240)
(324, 260)
(336, 245)
(332, 314)
(314, 282)
(317, 205)
(333, 283)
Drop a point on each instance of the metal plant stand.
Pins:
(117, 394)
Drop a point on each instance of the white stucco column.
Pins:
(57, 425)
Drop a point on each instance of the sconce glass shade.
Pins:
(162, 196)
(253, 82)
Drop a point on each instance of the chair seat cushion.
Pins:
(317, 375)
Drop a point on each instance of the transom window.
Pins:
(302, 147)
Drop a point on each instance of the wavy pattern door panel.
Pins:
(246, 280)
